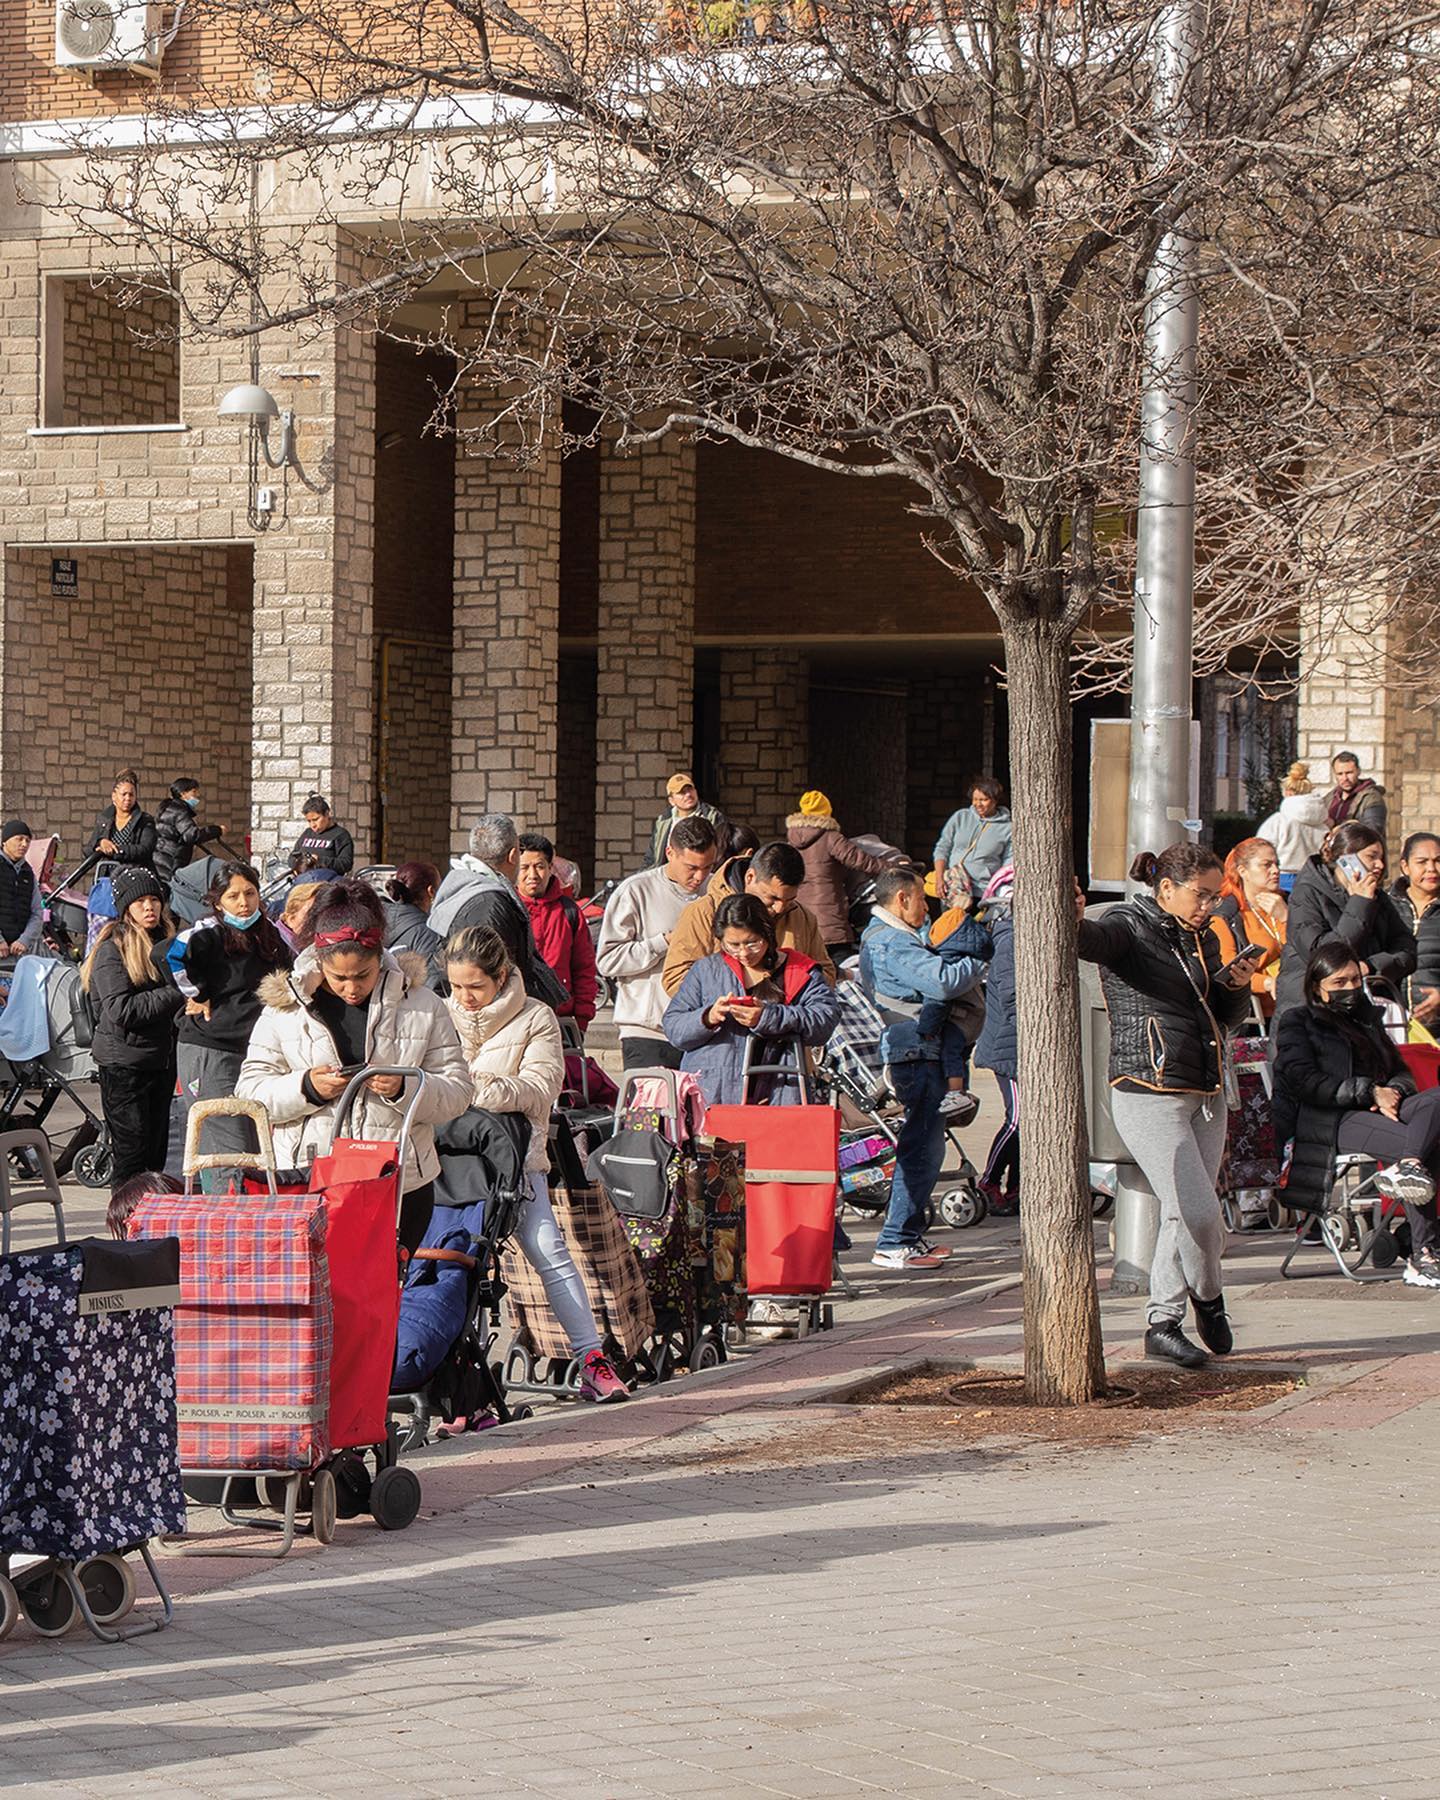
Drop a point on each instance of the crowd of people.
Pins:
(726, 958)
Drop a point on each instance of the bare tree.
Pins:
(892, 240)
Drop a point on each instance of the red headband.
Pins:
(370, 938)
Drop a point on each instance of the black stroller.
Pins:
(31, 1087)
(450, 1303)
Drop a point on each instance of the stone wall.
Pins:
(645, 664)
(506, 625)
(575, 747)
(946, 746)
(148, 666)
(313, 658)
(765, 748)
(114, 365)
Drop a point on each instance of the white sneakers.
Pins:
(908, 1256)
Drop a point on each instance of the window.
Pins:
(112, 354)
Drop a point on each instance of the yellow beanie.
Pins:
(815, 805)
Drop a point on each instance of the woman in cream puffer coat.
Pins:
(348, 1002)
(512, 1045)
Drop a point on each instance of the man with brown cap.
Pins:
(685, 803)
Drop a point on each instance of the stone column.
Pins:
(764, 735)
(645, 671)
(313, 654)
(507, 619)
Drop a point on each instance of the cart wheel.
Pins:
(109, 1584)
(9, 1607)
(1277, 1214)
(707, 1354)
(324, 1506)
(519, 1367)
(395, 1498)
(93, 1165)
(1335, 1228)
(49, 1604)
(352, 1486)
(521, 1412)
(963, 1207)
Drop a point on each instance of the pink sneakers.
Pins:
(599, 1382)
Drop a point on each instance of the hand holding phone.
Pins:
(1242, 965)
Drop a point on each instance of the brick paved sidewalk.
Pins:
(698, 1594)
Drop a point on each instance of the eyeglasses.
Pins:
(1204, 896)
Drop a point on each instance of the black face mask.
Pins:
(1347, 1001)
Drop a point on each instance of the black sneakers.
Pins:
(1212, 1325)
(1166, 1342)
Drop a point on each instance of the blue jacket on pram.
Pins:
(482, 1171)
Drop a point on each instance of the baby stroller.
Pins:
(450, 1303)
(850, 1070)
(31, 1086)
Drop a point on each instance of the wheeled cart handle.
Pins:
(229, 1106)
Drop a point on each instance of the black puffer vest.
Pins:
(17, 890)
(1168, 1014)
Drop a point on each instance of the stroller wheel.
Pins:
(324, 1505)
(352, 1486)
(93, 1165)
(49, 1604)
(521, 1413)
(109, 1584)
(9, 1607)
(1384, 1252)
(395, 1498)
(707, 1354)
(963, 1206)
(1101, 1205)
(1337, 1230)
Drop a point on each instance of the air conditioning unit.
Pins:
(108, 34)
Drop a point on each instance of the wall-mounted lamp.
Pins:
(258, 405)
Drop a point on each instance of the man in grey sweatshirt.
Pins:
(635, 934)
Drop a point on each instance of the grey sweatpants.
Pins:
(1178, 1141)
(209, 1075)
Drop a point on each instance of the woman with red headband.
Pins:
(348, 1002)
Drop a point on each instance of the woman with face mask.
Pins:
(1171, 1002)
(178, 831)
(1341, 893)
(1340, 1084)
(348, 1002)
(748, 989)
(218, 965)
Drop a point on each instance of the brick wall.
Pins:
(108, 373)
(765, 742)
(148, 666)
(822, 554)
(857, 755)
(415, 750)
(575, 751)
(946, 736)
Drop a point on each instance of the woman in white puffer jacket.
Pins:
(517, 1065)
(348, 1002)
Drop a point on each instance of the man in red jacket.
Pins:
(561, 935)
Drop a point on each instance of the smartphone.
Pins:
(1226, 970)
(1352, 866)
(351, 1069)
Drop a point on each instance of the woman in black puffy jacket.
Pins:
(1340, 893)
(1171, 1005)
(1340, 1084)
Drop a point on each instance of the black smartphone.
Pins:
(1243, 954)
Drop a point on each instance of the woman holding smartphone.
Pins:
(1340, 893)
(750, 988)
(1171, 1003)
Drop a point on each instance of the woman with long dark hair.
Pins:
(218, 966)
(134, 1041)
(349, 1002)
(1171, 1002)
(1340, 1084)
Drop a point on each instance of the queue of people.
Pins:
(723, 963)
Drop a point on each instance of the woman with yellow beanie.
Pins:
(828, 853)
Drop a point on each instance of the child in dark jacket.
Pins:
(954, 935)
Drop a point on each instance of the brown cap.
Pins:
(680, 780)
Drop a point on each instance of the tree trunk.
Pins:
(1064, 1356)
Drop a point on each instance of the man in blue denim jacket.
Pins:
(901, 971)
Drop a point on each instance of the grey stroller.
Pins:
(31, 1087)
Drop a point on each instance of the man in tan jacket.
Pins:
(773, 875)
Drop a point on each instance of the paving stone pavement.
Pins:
(718, 1590)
